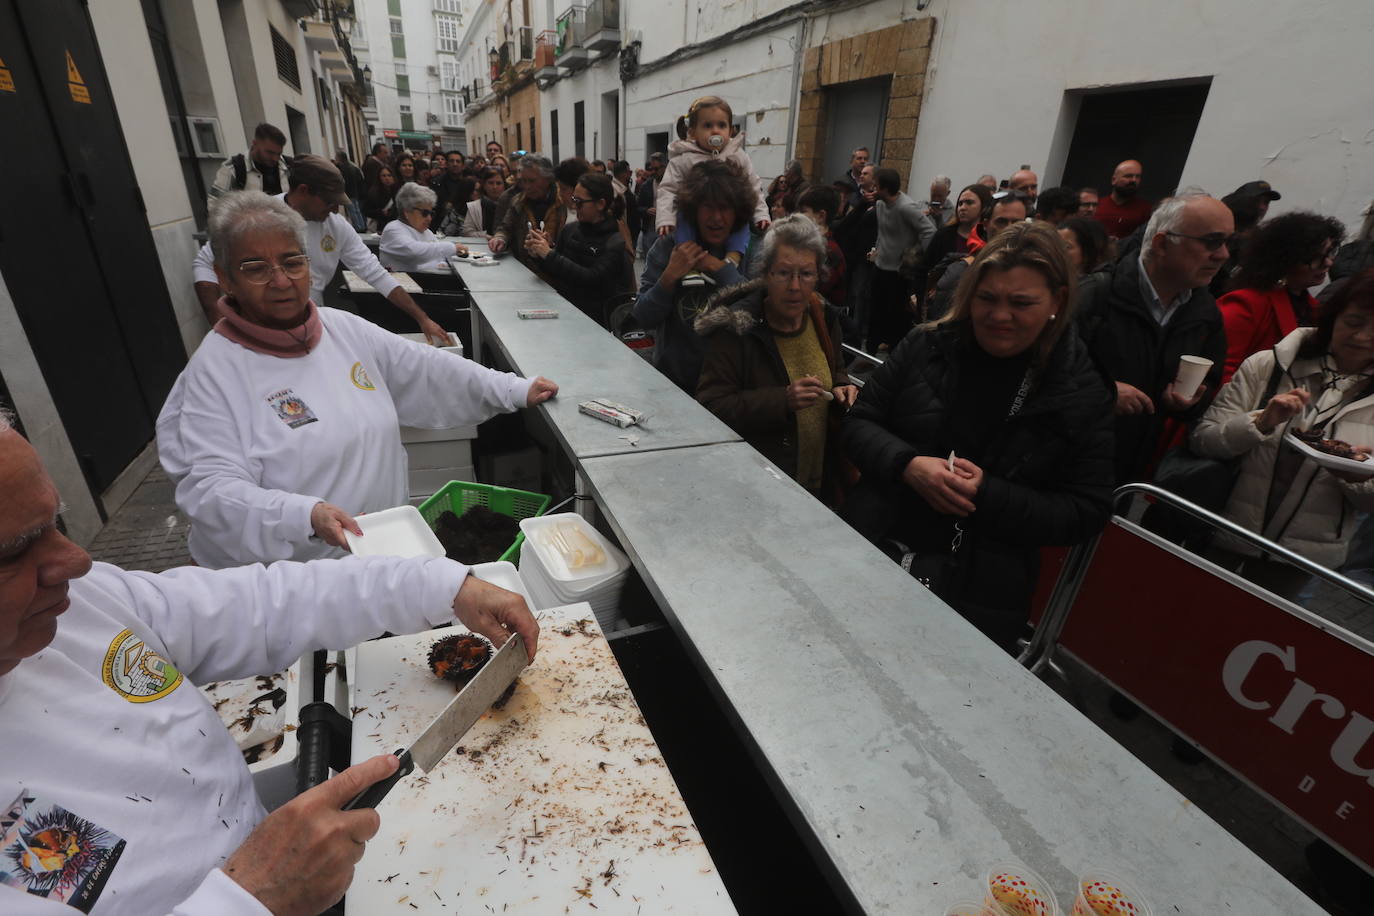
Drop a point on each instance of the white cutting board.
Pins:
(552, 789)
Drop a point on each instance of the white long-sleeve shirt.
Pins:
(326, 243)
(253, 441)
(403, 247)
(105, 731)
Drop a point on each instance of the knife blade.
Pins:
(447, 729)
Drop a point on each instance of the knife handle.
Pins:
(372, 796)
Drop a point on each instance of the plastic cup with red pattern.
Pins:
(1105, 893)
(1012, 889)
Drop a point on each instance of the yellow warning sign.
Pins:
(6, 80)
(75, 84)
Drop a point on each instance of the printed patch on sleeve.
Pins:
(47, 851)
(137, 673)
(360, 379)
(294, 412)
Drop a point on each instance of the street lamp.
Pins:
(343, 15)
(494, 58)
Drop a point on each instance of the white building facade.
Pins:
(1205, 93)
(411, 48)
(181, 87)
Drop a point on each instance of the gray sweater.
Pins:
(901, 224)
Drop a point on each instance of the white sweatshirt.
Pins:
(106, 730)
(404, 247)
(253, 441)
(326, 243)
(682, 156)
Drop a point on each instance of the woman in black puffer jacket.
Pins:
(987, 436)
(591, 266)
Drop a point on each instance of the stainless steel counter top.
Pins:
(914, 751)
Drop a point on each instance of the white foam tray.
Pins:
(397, 532)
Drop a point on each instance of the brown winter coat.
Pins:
(744, 382)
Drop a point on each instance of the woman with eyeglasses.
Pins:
(1283, 259)
(407, 243)
(285, 424)
(986, 436)
(773, 369)
(1322, 381)
(591, 265)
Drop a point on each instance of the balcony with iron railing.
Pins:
(601, 31)
(545, 53)
(569, 52)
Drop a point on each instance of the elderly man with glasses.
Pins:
(1150, 311)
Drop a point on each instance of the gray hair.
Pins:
(8, 420)
(240, 213)
(540, 162)
(795, 231)
(414, 196)
(1168, 216)
(943, 181)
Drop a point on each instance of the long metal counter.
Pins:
(911, 753)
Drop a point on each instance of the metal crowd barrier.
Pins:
(1039, 652)
(1270, 690)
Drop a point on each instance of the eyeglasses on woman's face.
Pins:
(260, 272)
(786, 277)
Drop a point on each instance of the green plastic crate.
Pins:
(458, 496)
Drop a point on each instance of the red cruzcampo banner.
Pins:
(1261, 685)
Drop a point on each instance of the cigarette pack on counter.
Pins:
(606, 414)
(537, 313)
(640, 417)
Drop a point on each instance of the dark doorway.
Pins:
(854, 116)
(300, 134)
(580, 129)
(655, 142)
(75, 248)
(1155, 126)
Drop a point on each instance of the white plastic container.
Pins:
(554, 581)
(274, 774)
(455, 345)
(396, 532)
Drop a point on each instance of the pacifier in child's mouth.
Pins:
(716, 141)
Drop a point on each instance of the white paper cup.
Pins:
(1191, 371)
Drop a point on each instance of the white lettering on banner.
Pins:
(1344, 809)
(1242, 659)
(1301, 695)
(1352, 740)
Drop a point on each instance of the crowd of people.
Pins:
(1026, 350)
(750, 290)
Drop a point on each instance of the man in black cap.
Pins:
(316, 192)
(1262, 191)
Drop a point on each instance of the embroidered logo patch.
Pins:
(49, 852)
(360, 380)
(292, 411)
(137, 673)
(327, 243)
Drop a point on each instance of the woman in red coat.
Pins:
(1284, 258)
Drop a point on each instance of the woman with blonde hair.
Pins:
(987, 435)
